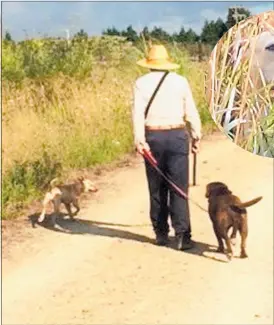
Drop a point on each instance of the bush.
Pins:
(68, 105)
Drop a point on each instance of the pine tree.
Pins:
(235, 15)
(81, 35)
(130, 34)
(160, 34)
(145, 33)
(111, 32)
(181, 37)
(191, 36)
(8, 37)
(213, 31)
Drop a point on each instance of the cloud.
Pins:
(10, 9)
(260, 8)
(173, 24)
(170, 24)
(211, 14)
(9, 12)
(53, 17)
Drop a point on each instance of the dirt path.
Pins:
(109, 272)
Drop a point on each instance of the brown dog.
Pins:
(67, 194)
(227, 211)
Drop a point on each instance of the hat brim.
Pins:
(165, 65)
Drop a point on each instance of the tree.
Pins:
(235, 15)
(145, 33)
(159, 34)
(213, 31)
(8, 37)
(130, 34)
(181, 36)
(221, 28)
(208, 34)
(81, 35)
(191, 36)
(111, 31)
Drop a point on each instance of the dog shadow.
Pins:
(88, 227)
(99, 228)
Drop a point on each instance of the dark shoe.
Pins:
(183, 243)
(162, 240)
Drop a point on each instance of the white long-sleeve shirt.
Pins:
(172, 105)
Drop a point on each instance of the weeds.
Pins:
(25, 181)
(237, 87)
(71, 119)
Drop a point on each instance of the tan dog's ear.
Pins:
(81, 178)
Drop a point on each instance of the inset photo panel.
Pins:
(240, 84)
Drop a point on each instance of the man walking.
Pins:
(163, 103)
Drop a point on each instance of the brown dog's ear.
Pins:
(216, 189)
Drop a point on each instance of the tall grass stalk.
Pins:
(59, 122)
(240, 98)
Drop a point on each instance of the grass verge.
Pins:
(60, 123)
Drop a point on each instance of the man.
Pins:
(163, 132)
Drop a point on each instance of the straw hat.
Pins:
(158, 59)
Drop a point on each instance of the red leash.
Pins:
(149, 157)
(153, 162)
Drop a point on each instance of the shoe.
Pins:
(162, 240)
(183, 243)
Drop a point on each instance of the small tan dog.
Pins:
(67, 194)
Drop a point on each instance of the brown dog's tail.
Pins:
(240, 207)
(249, 203)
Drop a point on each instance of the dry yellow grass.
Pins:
(238, 88)
(61, 123)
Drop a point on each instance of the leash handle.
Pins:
(150, 157)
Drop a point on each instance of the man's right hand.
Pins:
(195, 146)
(140, 147)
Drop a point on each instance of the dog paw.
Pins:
(233, 241)
(229, 256)
(40, 219)
(243, 255)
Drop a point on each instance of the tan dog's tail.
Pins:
(48, 197)
(249, 203)
(54, 182)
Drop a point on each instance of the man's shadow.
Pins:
(108, 229)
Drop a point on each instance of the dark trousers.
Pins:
(171, 150)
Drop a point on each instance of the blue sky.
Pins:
(54, 18)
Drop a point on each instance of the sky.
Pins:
(35, 18)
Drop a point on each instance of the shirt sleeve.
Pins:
(138, 112)
(191, 113)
